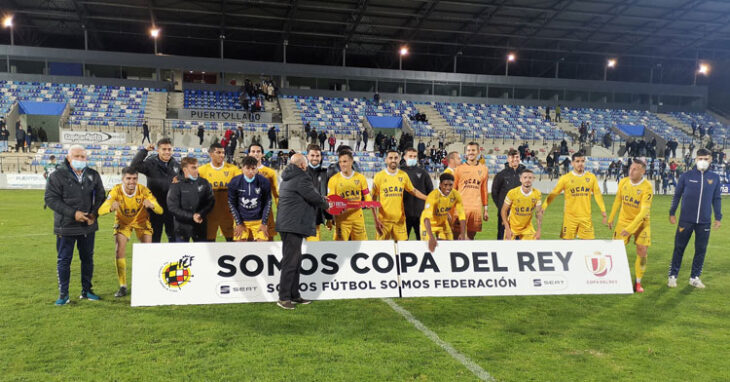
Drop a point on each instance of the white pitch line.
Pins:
(466, 361)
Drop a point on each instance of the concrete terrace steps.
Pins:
(438, 123)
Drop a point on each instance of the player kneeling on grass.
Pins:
(130, 202)
(435, 215)
(634, 197)
(249, 199)
(517, 209)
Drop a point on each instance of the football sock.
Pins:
(640, 267)
(122, 271)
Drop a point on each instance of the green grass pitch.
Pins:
(661, 335)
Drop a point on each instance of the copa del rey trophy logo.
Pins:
(599, 264)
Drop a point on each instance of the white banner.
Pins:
(93, 137)
(25, 181)
(217, 273)
(501, 268)
(224, 115)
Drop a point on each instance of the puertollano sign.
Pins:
(219, 273)
(224, 115)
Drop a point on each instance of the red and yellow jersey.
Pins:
(521, 209)
(353, 188)
(438, 207)
(388, 190)
(578, 190)
(270, 174)
(635, 203)
(219, 179)
(471, 182)
(132, 212)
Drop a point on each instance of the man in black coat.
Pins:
(503, 182)
(295, 219)
(422, 182)
(189, 201)
(161, 171)
(146, 133)
(319, 179)
(74, 192)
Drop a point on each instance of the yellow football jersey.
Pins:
(388, 190)
(270, 174)
(219, 179)
(521, 209)
(131, 212)
(578, 190)
(438, 206)
(354, 188)
(634, 201)
(448, 170)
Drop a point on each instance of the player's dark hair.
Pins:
(640, 162)
(52, 157)
(703, 152)
(213, 146)
(249, 161)
(343, 148)
(527, 170)
(513, 152)
(164, 141)
(577, 154)
(446, 176)
(346, 153)
(313, 147)
(187, 161)
(255, 144)
(393, 151)
(472, 143)
(129, 171)
(409, 150)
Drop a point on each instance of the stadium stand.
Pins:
(719, 130)
(604, 119)
(209, 99)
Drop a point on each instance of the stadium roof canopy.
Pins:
(640, 33)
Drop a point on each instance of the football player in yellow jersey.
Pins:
(634, 197)
(257, 151)
(219, 173)
(130, 201)
(452, 161)
(440, 205)
(388, 187)
(350, 185)
(578, 186)
(518, 207)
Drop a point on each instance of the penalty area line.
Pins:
(464, 360)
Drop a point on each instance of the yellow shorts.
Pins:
(225, 223)
(126, 230)
(524, 236)
(581, 228)
(317, 236)
(349, 231)
(642, 236)
(251, 232)
(440, 232)
(393, 231)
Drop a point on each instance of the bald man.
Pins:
(295, 219)
(75, 192)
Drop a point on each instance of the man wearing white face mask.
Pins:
(699, 190)
(74, 192)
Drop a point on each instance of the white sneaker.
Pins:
(695, 282)
(672, 282)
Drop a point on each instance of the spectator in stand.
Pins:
(145, 132)
(201, 134)
(313, 136)
(365, 136)
(376, 99)
(29, 138)
(19, 138)
(566, 165)
(592, 136)
(557, 114)
(563, 147)
(421, 150)
(547, 113)
(4, 136)
(42, 135)
(358, 140)
(607, 140)
(307, 129)
(332, 141)
(272, 137)
(694, 128)
(702, 132)
(673, 146)
(322, 138)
